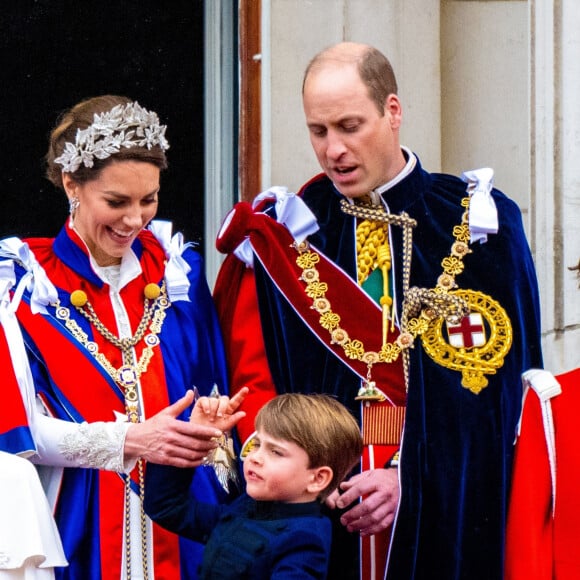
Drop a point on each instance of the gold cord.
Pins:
(370, 237)
(373, 251)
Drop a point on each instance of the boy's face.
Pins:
(277, 470)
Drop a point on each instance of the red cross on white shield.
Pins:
(470, 331)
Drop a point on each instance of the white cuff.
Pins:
(98, 445)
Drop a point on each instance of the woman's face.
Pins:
(115, 207)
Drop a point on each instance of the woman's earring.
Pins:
(73, 204)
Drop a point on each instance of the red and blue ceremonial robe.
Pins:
(74, 387)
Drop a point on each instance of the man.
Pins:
(436, 324)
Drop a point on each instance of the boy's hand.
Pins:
(220, 412)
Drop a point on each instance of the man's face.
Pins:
(356, 146)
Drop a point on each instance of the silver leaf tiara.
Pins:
(126, 126)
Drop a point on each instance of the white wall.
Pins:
(485, 101)
(555, 173)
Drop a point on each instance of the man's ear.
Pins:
(321, 478)
(394, 110)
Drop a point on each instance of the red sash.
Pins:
(273, 246)
(361, 317)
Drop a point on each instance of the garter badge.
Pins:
(248, 446)
(476, 345)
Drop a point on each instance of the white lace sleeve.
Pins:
(98, 445)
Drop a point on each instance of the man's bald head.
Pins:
(373, 67)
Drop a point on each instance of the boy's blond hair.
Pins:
(321, 426)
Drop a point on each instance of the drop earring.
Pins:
(73, 204)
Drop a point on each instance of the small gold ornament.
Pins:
(248, 446)
(78, 298)
(152, 291)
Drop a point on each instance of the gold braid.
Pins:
(370, 236)
(373, 251)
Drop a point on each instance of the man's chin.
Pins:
(351, 192)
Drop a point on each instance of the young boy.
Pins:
(303, 448)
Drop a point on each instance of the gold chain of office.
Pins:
(126, 377)
(420, 305)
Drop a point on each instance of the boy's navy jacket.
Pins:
(245, 539)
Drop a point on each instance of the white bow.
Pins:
(177, 268)
(482, 208)
(35, 280)
(291, 211)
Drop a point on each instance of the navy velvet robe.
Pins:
(457, 446)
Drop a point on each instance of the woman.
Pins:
(106, 328)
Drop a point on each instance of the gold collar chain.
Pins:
(415, 319)
(126, 376)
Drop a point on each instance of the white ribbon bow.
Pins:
(291, 211)
(35, 280)
(482, 208)
(177, 268)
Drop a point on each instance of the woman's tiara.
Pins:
(125, 126)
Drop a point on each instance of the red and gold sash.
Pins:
(273, 246)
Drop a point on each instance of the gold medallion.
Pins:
(474, 359)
